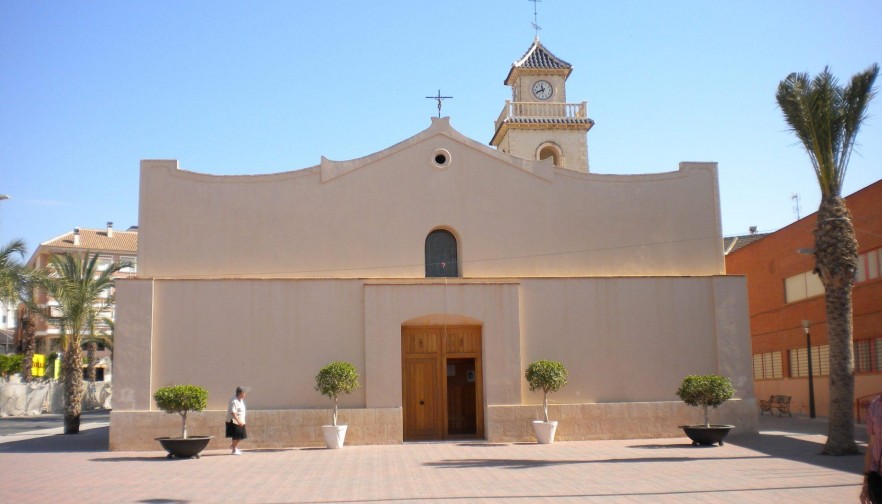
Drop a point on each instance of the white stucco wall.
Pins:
(623, 339)
(368, 218)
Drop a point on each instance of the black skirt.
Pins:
(236, 431)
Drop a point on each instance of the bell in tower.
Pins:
(538, 123)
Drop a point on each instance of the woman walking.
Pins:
(236, 420)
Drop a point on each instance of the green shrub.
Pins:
(10, 364)
(548, 376)
(336, 378)
(181, 399)
(704, 391)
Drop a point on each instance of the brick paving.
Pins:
(781, 463)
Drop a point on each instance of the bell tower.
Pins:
(538, 123)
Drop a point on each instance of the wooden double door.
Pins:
(442, 385)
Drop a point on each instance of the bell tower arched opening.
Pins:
(551, 150)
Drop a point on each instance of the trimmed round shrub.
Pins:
(335, 379)
(547, 376)
(704, 391)
(181, 399)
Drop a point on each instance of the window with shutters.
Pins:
(767, 366)
(798, 358)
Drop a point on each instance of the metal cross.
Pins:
(535, 17)
(439, 98)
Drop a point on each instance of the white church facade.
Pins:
(441, 267)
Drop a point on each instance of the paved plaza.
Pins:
(780, 464)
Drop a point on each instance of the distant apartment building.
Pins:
(111, 245)
(7, 327)
(787, 300)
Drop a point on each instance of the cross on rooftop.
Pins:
(439, 98)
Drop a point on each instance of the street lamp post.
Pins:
(811, 382)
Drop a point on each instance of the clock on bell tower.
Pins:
(538, 123)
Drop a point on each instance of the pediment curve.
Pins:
(331, 169)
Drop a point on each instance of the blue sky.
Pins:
(88, 89)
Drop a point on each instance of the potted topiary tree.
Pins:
(549, 376)
(182, 399)
(333, 380)
(704, 391)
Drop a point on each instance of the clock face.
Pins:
(542, 90)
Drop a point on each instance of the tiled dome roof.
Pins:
(537, 56)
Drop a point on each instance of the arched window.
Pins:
(441, 254)
(553, 152)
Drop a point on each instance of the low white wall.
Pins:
(37, 397)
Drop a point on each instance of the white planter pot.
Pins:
(544, 431)
(334, 435)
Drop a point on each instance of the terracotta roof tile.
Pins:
(550, 120)
(733, 243)
(97, 240)
(537, 56)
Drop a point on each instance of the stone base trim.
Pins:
(137, 430)
(580, 422)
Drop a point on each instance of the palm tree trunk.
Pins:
(72, 370)
(29, 338)
(91, 361)
(836, 253)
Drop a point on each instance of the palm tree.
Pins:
(81, 290)
(93, 340)
(28, 325)
(12, 271)
(16, 282)
(826, 118)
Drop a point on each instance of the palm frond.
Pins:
(79, 287)
(8, 252)
(825, 117)
(13, 274)
(856, 98)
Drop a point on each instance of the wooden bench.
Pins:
(776, 402)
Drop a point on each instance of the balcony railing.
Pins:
(541, 110)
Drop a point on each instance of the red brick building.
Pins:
(783, 292)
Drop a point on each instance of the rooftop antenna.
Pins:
(795, 198)
(439, 98)
(535, 22)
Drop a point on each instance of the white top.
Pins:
(238, 406)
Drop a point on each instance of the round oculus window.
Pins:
(441, 158)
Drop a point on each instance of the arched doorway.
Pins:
(442, 382)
